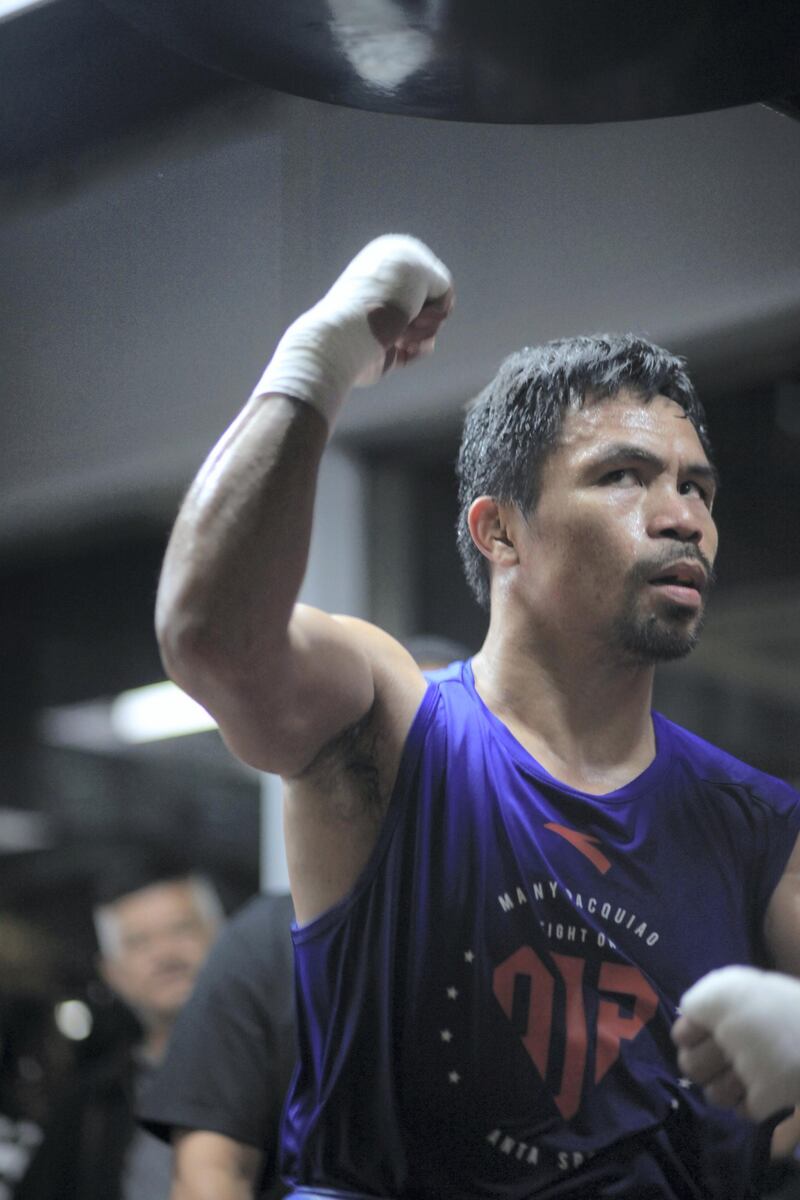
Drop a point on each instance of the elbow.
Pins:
(199, 656)
(194, 648)
(184, 646)
(220, 665)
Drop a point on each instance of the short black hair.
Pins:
(516, 421)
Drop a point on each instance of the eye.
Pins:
(626, 475)
(690, 487)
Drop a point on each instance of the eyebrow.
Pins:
(623, 452)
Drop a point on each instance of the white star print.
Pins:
(468, 956)
(454, 1077)
(685, 1083)
(446, 1035)
(452, 993)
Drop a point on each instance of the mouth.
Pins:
(173, 974)
(682, 583)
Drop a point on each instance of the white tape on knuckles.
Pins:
(710, 999)
(754, 1017)
(330, 349)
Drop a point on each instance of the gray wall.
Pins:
(144, 289)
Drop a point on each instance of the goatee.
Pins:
(655, 639)
(669, 634)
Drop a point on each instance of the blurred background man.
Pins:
(155, 923)
(219, 1093)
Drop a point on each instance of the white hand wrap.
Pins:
(754, 1017)
(330, 348)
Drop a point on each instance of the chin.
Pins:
(172, 999)
(660, 639)
(164, 1012)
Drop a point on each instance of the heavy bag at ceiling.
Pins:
(510, 61)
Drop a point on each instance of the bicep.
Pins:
(782, 924)
(210, 1166)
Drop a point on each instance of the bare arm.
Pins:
(782, 924)
(786, 1136)
(284, 680)
(210, 1166)
(739, 1036)
(225, 615)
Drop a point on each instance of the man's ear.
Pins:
(490, 528)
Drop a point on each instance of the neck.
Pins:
(154, 1045)
(585, 717)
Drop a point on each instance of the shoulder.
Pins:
(714, 766)
(388, 658)
(409, 702)
(262, 927)
(254, 945)
(453, 673)
(371, 746)
(266, 910)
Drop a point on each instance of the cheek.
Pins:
(588, 574)
(586, 548)
(711, 540)
(199, 950)
(193, 948)
(609, 542)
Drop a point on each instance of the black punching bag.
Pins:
(510, 61)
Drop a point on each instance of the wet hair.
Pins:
(516, 421)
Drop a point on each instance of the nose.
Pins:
(677, 517)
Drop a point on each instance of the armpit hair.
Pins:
(347, 770)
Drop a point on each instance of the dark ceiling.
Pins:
(73, 76)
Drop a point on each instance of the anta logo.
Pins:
(584, 843)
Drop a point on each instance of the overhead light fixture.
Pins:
(15, 8)
(145, 714)
(22, 830)
(155, 712)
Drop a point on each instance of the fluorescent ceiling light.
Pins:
(146, 714)
(22, 830)
(161, 710)
(15, 8)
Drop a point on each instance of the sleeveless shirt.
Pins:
(487, 1013)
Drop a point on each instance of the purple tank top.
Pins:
(487, 1013)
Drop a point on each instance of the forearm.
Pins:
(212, 1185)
(282, 682)
(209, 1166)
(238, 551)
